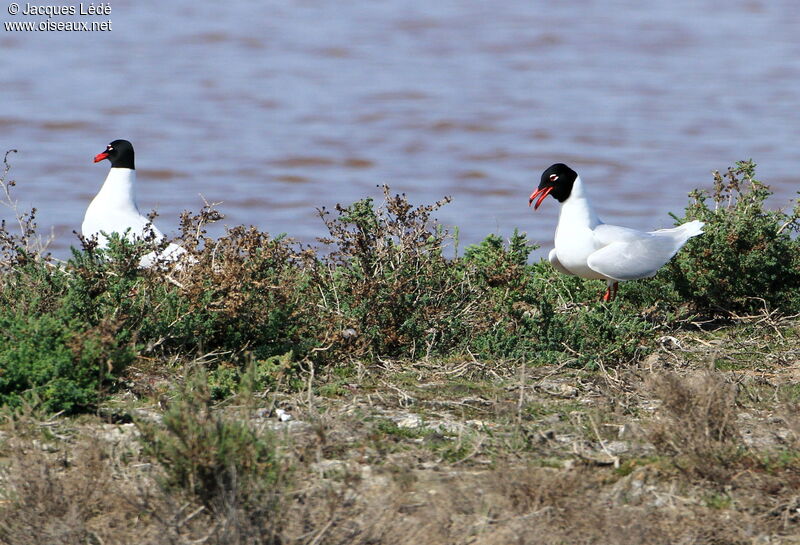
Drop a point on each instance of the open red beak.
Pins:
(100, 156)
(542, 192)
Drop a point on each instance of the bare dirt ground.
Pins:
(697, 443)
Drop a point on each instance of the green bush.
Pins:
(209, 456)
(749, 256)
(533, 313)
(276, 372)
(58, 360)
(239, 295)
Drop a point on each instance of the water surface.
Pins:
(278, 107)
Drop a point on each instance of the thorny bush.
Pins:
(387, 282)
(212, 457)
(749, 256)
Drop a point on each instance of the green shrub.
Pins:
(533, 313)
(748, 257)
(209, 455)
(58, 360)
(238, 296)
(511, 318)
(276, 372)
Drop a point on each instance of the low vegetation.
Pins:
(434, 394)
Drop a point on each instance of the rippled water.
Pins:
(278, 107)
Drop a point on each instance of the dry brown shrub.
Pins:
(243, 291)
(504, 506)
(66, 497)
(696, 423)
(82, 493)
(386, 279)
(20, 240)
(88, 497)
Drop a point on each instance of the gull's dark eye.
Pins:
(553, 177)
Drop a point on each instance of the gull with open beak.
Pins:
(589, 248)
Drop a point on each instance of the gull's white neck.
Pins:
(119, 189)
(577, 211)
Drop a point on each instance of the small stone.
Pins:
(653, 361)
(410, 422)
(558, 389)
(617, 447)
(330, 467)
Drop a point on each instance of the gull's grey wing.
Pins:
(627, 254)
(632, 259)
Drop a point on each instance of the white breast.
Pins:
(114, 209)
(574, 240)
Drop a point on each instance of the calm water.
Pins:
(278, 107)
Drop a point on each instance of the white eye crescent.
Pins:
(553, 177)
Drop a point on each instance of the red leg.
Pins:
(611, 292)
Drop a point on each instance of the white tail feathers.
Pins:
(692, 228)
(683, 232)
